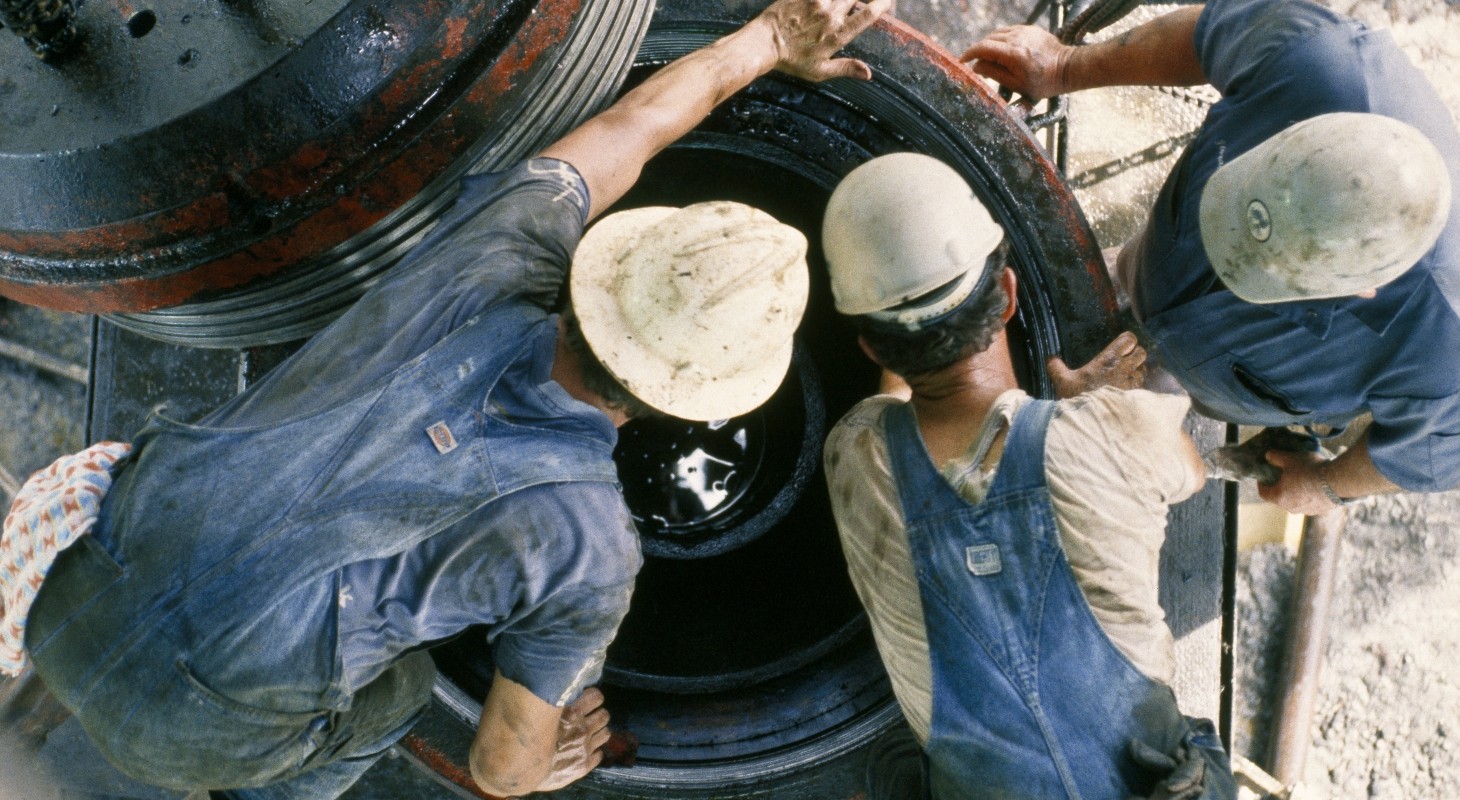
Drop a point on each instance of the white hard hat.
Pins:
(692, 309)
(899, 227)
(1331, 206)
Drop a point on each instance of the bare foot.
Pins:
(1121, 364)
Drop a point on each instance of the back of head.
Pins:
(906, 240)
(1331, 206)
(692, 309)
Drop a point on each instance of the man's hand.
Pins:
(1185, 773)
(808, 33)
(1023, 58)
(1299, 489)
(1121, 364)
(1031, 61)
(582, 731)
(799, 37)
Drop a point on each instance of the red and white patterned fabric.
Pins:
(55, 508)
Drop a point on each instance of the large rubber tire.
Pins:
(748, 671)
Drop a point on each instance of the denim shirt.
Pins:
(1319, 361)
(411, 471)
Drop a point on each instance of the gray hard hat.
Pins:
(899, 227)
(1331, 206)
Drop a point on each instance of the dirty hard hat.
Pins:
(906, 240)
(1331, 206)
(692, 309)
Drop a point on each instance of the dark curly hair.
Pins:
(969, 329)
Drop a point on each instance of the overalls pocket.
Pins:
(78, 579)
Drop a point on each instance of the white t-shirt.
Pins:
(1113, 465)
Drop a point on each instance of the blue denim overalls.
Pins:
(193, 633)
(1030, 698)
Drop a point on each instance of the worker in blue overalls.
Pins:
(1005, 547)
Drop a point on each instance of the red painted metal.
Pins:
(344, 180)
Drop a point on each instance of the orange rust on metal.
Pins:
(443, 765)
(451, 47)
(138, 233)
(548, 23)
(387, 188)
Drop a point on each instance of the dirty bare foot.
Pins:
(1121, 364)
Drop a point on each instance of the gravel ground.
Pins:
(1388, 713)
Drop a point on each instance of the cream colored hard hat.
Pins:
(1331, 206)
(897, 228)
(692, 309)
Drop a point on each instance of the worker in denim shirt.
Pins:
(1302, 262)
(248, 610)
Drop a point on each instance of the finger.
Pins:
(993, 71)
(991, 49)
(1188, 774)
(590, 699)
(844, 68)
(1278, 458)
(594, 759)
(598, 739)
(598, 719)
(869, 13)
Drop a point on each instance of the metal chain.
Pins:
(47, 26)
(1110, 169)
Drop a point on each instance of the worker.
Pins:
(248, 610)
(1006, 548)
(1301, 265)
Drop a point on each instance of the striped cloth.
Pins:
(55, 508)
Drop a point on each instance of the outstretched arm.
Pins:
(1032, 62)
(799, 37)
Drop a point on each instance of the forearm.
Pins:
(799, 37)
(1353, 473)
(662, 109)
(1157, 53)
(516, 738)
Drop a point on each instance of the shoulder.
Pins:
(1236, 39)
(862, 422)
(1123, 440)
(571, 533)
(1138, 410)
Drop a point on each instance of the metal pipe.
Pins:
(44, 361)
(1308, 638)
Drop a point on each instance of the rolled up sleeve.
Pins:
(1415, 443)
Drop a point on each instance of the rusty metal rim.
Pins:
(313, 295)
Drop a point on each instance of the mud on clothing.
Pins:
(247, 607)
(1308, 362)
(1033, 699)
(1111, 472)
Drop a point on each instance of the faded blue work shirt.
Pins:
(1319, 361)
(244, 606)
(549, 568)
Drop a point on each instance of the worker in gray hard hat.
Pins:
(1302, 263)
(246, 599)
(1006, 548)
